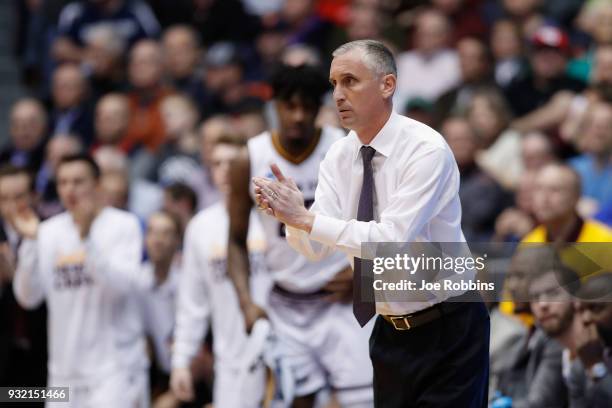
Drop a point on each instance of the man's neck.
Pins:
(562, 228)
(369, 132)
(161, 270)
(298, 147)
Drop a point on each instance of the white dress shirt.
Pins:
(416, 182)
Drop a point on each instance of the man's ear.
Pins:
(387, 85)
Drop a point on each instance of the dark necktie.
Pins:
(363, 298)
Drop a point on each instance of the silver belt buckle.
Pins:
(402, 319)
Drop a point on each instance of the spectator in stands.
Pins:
(524, 13)
(177, 158)
(476, 73)
(115, 190)
(364, 21)
(517, 221)
(103, 60)
(552, 304)
(548, 58)
(507, 49)
(499, 153)
(530, 373)
(132, 19)
(590, 377)
(465, 17)
(304, 26)
(145, 72)
(112, 118)
(182, 54)
(482, 199)
(224, 81)
(28, 129)
(72, 111)
(536, 151)
(431, 68)
(110, 160)
(594, 165)
(557, 192)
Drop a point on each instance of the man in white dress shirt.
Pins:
(432, 353)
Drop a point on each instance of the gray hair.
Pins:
(376, 55)
(104, 33)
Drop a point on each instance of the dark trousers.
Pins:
(444, 363)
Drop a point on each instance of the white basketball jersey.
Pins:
(289, 269)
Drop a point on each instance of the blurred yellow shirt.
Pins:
(586, 260)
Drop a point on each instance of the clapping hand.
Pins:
(26, 223)
(281, 198)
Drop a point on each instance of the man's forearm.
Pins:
(238, 269)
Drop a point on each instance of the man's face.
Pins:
(536, 152)
(472, 58)
(551, 305)
(76, 186)
(181, 53)
(114, 190)
(27, 126)
(162, 238)
(520, 8)
(602, 66)
(358, 91)
(145, 68)
(599, 314)
(112, 119)
(296, 118)
(68, 87)
(15, 195)
(548, 63)
(554, 196)
(597, 134)
(222, 156)
(461, 139)
(432, 32)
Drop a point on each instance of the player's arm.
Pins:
(192, 315)
(27, 282)
(239, 208)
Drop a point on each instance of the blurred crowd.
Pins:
(520, 89)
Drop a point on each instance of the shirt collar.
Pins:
(385, 138)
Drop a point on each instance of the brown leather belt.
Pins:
(413, 320)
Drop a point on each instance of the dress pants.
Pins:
(443, 363)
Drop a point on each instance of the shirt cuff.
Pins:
(326, 229)
(180, 361)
